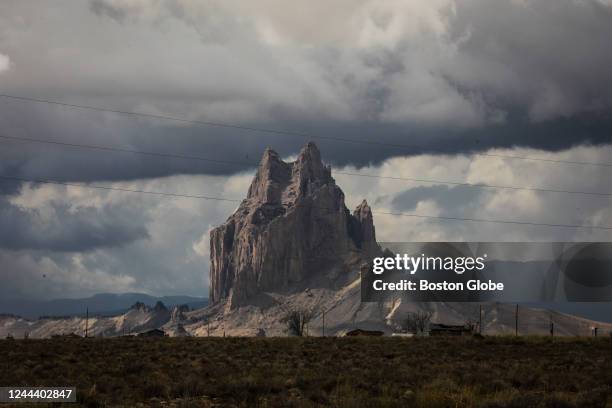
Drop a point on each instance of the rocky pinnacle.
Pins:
(293, 230)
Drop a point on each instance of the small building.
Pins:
(153, 333)
(439, 329)
(362, 332)
(402, 334)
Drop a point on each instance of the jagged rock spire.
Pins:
(278, 182)
(292, 228)
(272, 175)
(367, 232)
(309, 164)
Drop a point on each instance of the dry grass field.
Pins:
(311, 372)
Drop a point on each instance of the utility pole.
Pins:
(208, 328)
(480, 320)
(86, 322)
(516, 312)
(323, 322)
(552, 325)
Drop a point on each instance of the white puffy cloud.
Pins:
(5, 62)
(389, 195)
(36, 275)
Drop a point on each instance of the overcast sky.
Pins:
(445, 79)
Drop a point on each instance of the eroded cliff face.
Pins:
(292, 230)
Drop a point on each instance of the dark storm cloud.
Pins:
(104, 8)
(476, 75)
(550, 58)
(83, 229)
(9, 187)
(231, 151)
(393, 140)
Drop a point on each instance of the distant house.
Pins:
(153, 333)
(438, 329)
(361, 332)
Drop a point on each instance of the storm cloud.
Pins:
(435, 77)
(384, 87)
(62, 228)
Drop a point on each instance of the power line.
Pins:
(544, 160)
(278, 131)
(157, 116)
(123, 150)
(493, 221)
(125, 190)
(206, 197)
(247, 163)
(477, 185)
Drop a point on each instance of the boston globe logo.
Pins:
(454, 250)
(442, 265)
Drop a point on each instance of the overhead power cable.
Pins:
(125, 190)
(351, 174)
(476, 185)
(400, 214)
(281, 132)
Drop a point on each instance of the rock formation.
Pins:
(178, 313)
(292, 230)
(160, 307)
(140, 307)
